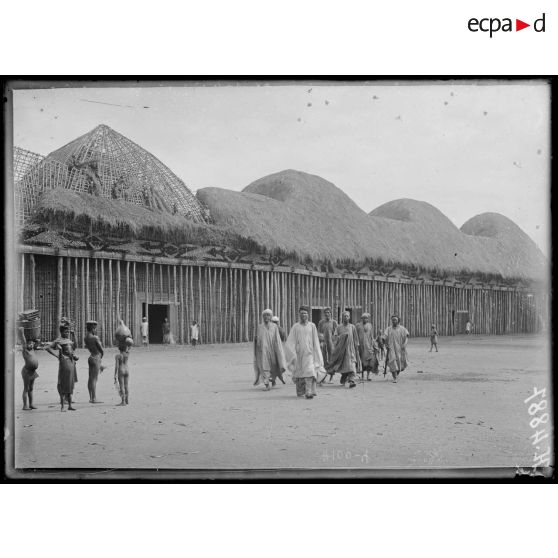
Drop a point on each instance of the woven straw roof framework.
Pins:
(32, 175)
(107, 164)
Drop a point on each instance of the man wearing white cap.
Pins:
(269, 358)
(304, 356)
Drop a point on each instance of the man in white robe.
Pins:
(304, 356)
(269, 357)
(396, 337)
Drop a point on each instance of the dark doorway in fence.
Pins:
(316, 315)
(461, 320)
(156, 313)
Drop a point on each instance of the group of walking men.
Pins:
(312, 353)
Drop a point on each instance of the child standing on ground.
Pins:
(29, 370)
(381, 345)
(433, 337)
(121, 371)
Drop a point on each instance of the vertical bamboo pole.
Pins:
(222, 312)
(182, 309)
(211, 302)
(58, 294)
(134, 312)
(127, 312)
(118, 308)
(101, 303)
(147, 301)
(227, 313)
(177, 313)
(240, 302)
(200, 301)
(87, 293)
(246, 306)
(110, 305)
(81, 301)
(33, 281)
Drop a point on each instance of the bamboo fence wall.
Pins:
(227, 301)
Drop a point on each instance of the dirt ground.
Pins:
(461, 407)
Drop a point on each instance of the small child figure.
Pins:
(381, 345)
(121, 370)
(433, 337)
(29, 370)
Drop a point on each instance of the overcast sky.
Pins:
(464, 148)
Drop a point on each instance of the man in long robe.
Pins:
(269, 357)
(346, 357)
(396, 337)
(327, 329)
(367, 346)
(304, 356)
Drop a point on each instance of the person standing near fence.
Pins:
(93, 344)
(433, 338)
(29, 370)
(144, 330)
(194, 334)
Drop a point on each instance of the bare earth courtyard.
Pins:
(197, 409)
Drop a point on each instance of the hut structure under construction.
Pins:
(107, 230)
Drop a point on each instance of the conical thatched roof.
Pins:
(106, 164)
(300, 213)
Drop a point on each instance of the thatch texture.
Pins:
(62, 209)
(108, 165)
(515, 249)
(296, 212)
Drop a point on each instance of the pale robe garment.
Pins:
(368, 347)
(269, 357)
(194, 332)
(304, 357)
(396, 341)
(144, 327)
(328, 330)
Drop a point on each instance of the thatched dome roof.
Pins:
(108, 165)
(301, 213)
(515, 248)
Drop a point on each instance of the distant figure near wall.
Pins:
(194, 333)
(433, 337)
(167, 335)
(144, 329)
(468, 327)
